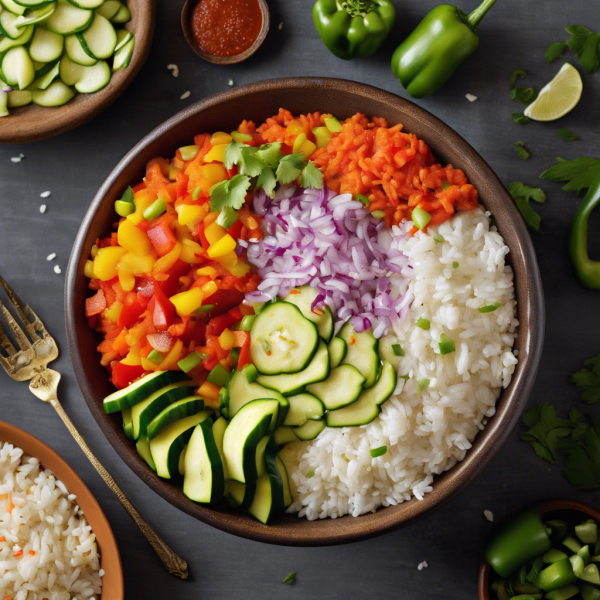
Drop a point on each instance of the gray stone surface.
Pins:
(513, 35)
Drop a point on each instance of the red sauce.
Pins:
(226, 27)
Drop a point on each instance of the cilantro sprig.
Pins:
(584, 42)
(588, 380)
(522, 152)
(522, 194)
(578, 173)
(229, 193)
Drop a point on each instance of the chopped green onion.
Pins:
(250, 372)
(124, 209)
(397, 348)
(205, 308)
(156, 357)
(188, 152)
(375, 452)
(362, 198)
(310, 473)
(423, 384)
(438, 239)
(157, 208)
(227, 217)
(189, 362)
(446, 344)
(405, 377)
(333, 125)
(246, 323)
(446, 185)
(455, 265)
(423, 323)
(420, 218)
(218, 375)
(490, 307)
(378, 214)
(196, 193)
(241, 137)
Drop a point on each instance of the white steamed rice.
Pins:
(56, 553)
(428, 432)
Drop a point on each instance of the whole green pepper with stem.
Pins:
(440, 43)
(587, 270)
(353, 28)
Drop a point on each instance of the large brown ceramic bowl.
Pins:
(110, 561)
(223, 112)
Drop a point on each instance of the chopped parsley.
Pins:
(554, 51)
(516, 74)
(290, 579)
(524, 95)
(423, 323)
(375, 452)
(578, 173)
(567, 135)
(521, 150)
(519, 118)
(522, 194)
(489, 308)
(585, 44)
(438, 238)
(588, 380)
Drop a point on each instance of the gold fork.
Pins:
(30, 364)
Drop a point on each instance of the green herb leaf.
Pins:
(290, 167)
(455, 265)
(267, 181)
(233, 154)
(554, 51)
(270, 154)
(231, 192)
(585, 44)
(490, 307)
(250, 164)
(375, 452)
(518, 73)
(289, 579)
(397, 348)
(311, 176)
(423, 384)
(564, 134)
(521, 150)
(588, 380)
(227, 217)
(310, 473)
(524, 95)
(438, 239)
(128, 196)
(522, 194)
(423, 323)
(445, 185)
(519, 118)
(578, 173)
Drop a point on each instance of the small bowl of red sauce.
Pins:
(225, 32)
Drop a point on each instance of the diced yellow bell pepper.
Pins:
(233, 264)
(143, 199)
(173, 170)
(190, 214)
(187, 302)
(94, 250)
(182, 233)
(88, 270)
(113, 313)
(298, 142)
(105, 263)
(189, 250)
(214, 233)
(138, 265)
(308, 148)
(133, 358)
(189, 152)
(133, 239)
(207, 272)
(126, 279)
(216, 153)
(225, 245)
(172, 358)
(164, 263)
(220, 137)
(209, 288)
(227, 339)
(147, 364)
(322, 135)
(295, 127)
(215, 172)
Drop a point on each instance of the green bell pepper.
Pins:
(353, 28)
(587, 270)
(441, 42)
(557, 575)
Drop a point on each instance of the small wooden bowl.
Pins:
(33, 123)
(112, 581)
(558, 508)
(186, 25)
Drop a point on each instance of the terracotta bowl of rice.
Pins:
(473, 276)
(49, 499)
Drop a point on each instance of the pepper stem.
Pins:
(475, 17)
(357, 8)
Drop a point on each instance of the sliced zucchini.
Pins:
(122, 15)
(25, 36)
(303, 407)
(242, 436)
(36, 16)
(67, 19)
(94, 78)
(260, 455)
(268, 498)
(8, 25)
(123, 55)
(56, 94)
(45, 80)
(204, 480)
(143, 449)
(46, 46)
(123, 36)
(287, 490)
(17, 68)
(239, 494)
(145, 411)
(19, 98)
(337, 351)
(303, 297)
(167, 446)
(89, 4)
(186, 407)
(288, 457)
(285, 435)
(99, 39)
(317, 370)
(219, 427)
(3, 104)
(362, 352)
(109, 8)
(367, 407)
(76, 53)
(181, 465)
(310, 430)
(343, 387)
(33, 3)
(282, 340)
(127, 422)
(13, 7)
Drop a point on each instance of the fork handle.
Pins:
(175, 565)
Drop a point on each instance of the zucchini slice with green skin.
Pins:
(287, 490)
(362, 352)
(99, 39)
(367, 407)
(282, 340)
(260, 455)
(303, 297)
(46, 46)
(242, 436)
(94, 78)
(268, 498)
(127, 423)
(285, 435)
(144, 412)
(317, 370)
(181, 465)
(75, 52)
(108, 9)
(123, 55)
(7, 43)
(219, 427)
(33, 3)
(35, 16)
(13, 7)
(239, 494)
(186, 407)
(143, 449)
(17, 68)
(140, 390)
(56, 94)
(67, 19)
(121, 16)
(167, 446)
(343, 387)
(19, 98)
(89, 4)
(310, 430)
(44, 82)
(8, 25)
(337, 351)
(123, 36)
(204, 480)
(303, 407)
(3, 104)
(288, 457)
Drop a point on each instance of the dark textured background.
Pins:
(513, 35)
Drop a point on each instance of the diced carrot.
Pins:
(96, 304)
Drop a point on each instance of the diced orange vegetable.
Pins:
(209, 391)
(170, 361)
(187, 302)
(133, 239)
(209, 288)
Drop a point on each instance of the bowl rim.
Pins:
(476, 459)
(109, 550)
(546, 506)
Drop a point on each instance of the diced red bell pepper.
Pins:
(96, 304)
(134, 306)
(285, 149)
(218, 325)
(139, 186)
(171, 285)
(164, 311)
(162, 238)
(225, 300)
(244, 358)
(145, 287)
(200, 233)
(124, 375)
(196, 332)
(236, 313)
(210, 363)
(235, 230)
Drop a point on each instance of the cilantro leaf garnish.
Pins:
(290, 167)
(231, 192)
(249, 163)
(311, 176)
(128, 196)
(524, 95)
(585, 44)
(554, 51)
(544, 430)
(270, 154)
(267, 181)
(289, 579)
(567, 135)
(578, 173)
(588, 380)
(522, 194)
(518, 73)
(233, 154)
(521, 150)
(519, 118)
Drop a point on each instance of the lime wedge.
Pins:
(558, 97)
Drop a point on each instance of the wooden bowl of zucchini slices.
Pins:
(64, 61)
